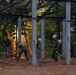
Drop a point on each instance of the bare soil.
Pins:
(45, 67)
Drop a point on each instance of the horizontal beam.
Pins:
(8, 16)
(11, 5)
(64, 0)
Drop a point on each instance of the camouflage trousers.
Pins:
(38, 53)
(54, 56)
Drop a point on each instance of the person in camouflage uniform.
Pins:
(55, 46)
(20, 49)
(38, 52)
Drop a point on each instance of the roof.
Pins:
(23, 8)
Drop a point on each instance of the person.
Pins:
(7, 43)
(20, 49)
(38, 48)
(55, 45)
(39, 40)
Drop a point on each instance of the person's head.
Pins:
(55, 37)
(39, 39)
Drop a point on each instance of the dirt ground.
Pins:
(46, 67)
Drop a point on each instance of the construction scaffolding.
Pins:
(67, 9)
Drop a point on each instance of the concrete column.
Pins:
(68, 18)
(19, 29)
(34, 33)
(64, 39)
(42, 37)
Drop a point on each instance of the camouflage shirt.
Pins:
(21, 46)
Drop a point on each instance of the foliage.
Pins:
(50, 29)
(50, 26)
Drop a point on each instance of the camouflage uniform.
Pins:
(55, 46)
(38, 52)
(20, 49)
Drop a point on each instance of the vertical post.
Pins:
(34, 37)
(58, 23)
(19, 29)
(58, 30)
(64, 39)
(75, 32)
(68, 18)
(42, 37)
